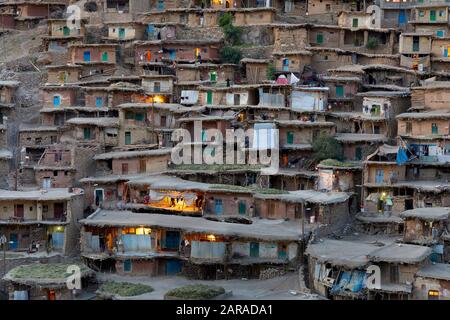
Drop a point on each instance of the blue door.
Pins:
(173, 267)
(99, 102)
(172, 239)
(56, 101)
(160, 5)
(58, 240)
(402, 17)
(379, 177)
(87, 56)
(219, 207)
(127, 265)
(150, 31)
(13, 241)
(171, 54)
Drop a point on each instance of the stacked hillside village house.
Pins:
(95, 179)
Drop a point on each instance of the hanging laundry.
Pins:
(402, 158)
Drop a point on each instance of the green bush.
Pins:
(230, 54)
(372, 43)
(198, 291)
(232, 34)
(270, 73)
(226, 19)
(326, 147)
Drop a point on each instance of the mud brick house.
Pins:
(171, 194)
(55, 168)
(317, 7)
(430, 96)
(431, 16)
(123, 10)
(358, 19)
(383, 77)
(355, 39)
(105, 191)
(176, 50)
(94, 131)
(134, 162)
(337, 268)
(31, 286)
(313, 207)
(160, 87)
(291, 179)
(237, 95)
(245, 249)
(8, 90)
(60, 96)
(330, 260)
(377, 113)
(113, 95)
(255, 70)
(161, 31)
(398, 264)
(440, 56)
(381, 172)
(290, 37)
(396, 14)
(415, 50)
(338, 176)
(328, 58)
(63, 74)
(341, 89)
(147, 123)
(425, 226)
(206, 72)
(297, 136)
(87, 54)
(359, 145)
(198, 127)
(291, 61)
(125, 31)
(25, 15)
(61, 33)
(5, 165)
(309, 99)
(431, 282)
(34, 140)
(49, 217)
(426, 133)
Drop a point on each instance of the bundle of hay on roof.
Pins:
(195, 292)
(112, 289)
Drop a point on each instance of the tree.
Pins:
(326, 147)
(230, 54)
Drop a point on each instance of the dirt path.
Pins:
(277, 288)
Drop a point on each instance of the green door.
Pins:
(87, 133)
(242, 207)
(127, 137)
(209, 97)
(254, 249)
(66, 31)
(213, 76)
(355, 23)
(339, 91)
(105, 56)
(121, 33)
(319, 38)
(290, 137)
(434, 128)
(432, 15)
(358, 153)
